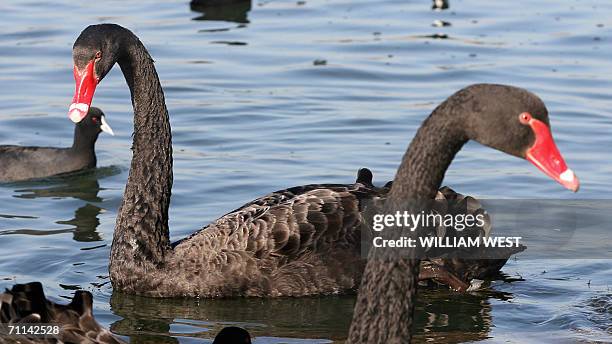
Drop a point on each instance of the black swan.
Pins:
(22, 163)
(26, 304)
(505, 118)
(294, 242)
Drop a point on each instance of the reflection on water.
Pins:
(85, 222)
(309, 318)
(222, 10)
(449, 317)
(84, 188)
(81, 186)
(441, 315)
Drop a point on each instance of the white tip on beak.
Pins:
(77, 111)
(570, 180)
(567, 176)
(105, 127)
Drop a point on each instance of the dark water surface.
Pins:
(252, 112)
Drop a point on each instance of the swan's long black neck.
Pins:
(424, 164)
(383, 312)
(141, 239)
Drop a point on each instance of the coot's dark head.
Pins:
(232, 335)
(94, 53)
(86, 131)
(93, 124)
(512, 120)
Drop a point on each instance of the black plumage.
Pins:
(19, 163)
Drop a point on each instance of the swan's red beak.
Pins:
(545, 155)
(86, 82)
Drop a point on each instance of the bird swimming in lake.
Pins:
(18, 163)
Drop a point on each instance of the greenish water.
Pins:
(252, 112)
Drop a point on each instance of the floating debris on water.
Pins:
(439, 5)
(440, 23)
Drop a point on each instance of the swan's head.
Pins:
(94, 53)
(514, 121)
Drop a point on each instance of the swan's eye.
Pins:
(98, 55)
(525, 118)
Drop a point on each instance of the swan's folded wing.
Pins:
(290, 223)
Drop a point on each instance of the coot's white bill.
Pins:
(106, 127)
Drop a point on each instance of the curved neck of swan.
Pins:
(424, 164)
(384, 309)
(141, 237)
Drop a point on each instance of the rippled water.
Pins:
(273, 94)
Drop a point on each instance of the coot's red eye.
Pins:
(525, 117)
(94, 119)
